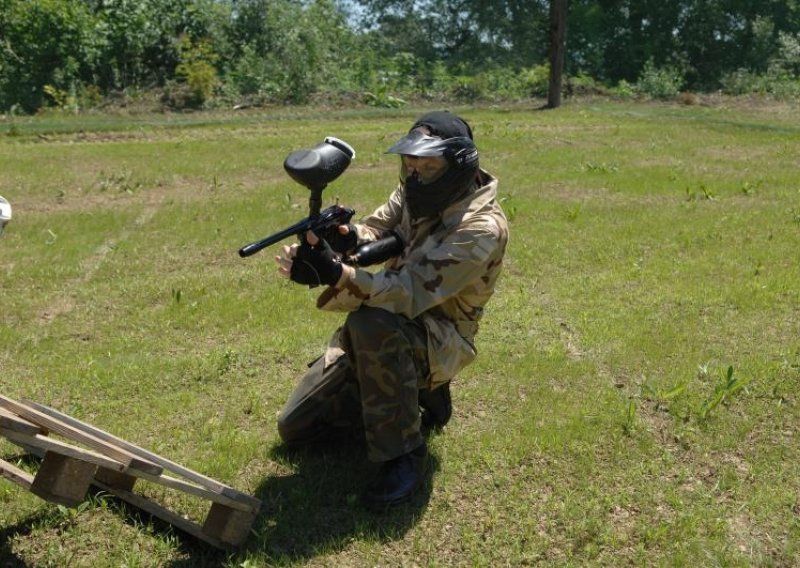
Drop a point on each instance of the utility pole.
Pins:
(558, 33)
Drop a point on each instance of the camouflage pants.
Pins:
(373, 388)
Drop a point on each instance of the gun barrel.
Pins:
(296, 229)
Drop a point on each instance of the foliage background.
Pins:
(79, 54)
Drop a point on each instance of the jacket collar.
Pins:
(473, 201)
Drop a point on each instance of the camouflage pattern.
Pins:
(370, 388)
(445, 276)
(410, 325)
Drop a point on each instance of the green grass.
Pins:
(634, 401)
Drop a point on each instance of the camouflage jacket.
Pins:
(445, 276)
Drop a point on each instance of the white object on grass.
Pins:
(5, 213)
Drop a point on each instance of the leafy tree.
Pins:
(56, 51)
(467, 35)
(43, 42)
(286, 51)
(141, 38)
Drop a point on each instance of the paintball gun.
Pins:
(315, 169)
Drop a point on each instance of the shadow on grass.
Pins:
(8, 559)
(317, 509)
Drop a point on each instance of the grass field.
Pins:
(634, 401)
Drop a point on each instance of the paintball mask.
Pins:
(459, 151)
(447, 136)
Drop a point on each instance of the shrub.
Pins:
(659, 82)
(536, 80)
(788, 57)
(467, 88)
(743, 82)
(584, 85)
(775, 81)
(197, 72)
(623, 90)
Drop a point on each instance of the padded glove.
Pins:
(316, 264)
(342, 244)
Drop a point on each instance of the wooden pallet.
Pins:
(114, 465)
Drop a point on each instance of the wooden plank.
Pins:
(62, 479)
(115, 479)
(164, 514)
(195, 490)
(67, 430)
(44, 444)
(252, 502)
(11, 421)
(13, 473)
(228, 525)
(37, 445)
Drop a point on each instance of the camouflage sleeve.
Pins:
(383, 219)
(432, 274)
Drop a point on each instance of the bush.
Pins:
(536, 80)
(659, 82)
(775, 81)
(585, 85)
(197, 72)
(503, 83)
(743, 82)
(623, 90)
(788, 57)
(383, 99)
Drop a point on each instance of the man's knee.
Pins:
(287, 429)
(300, 432)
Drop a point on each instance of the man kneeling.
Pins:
(411, 325)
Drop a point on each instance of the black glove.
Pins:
(342, 243)
(315, 265)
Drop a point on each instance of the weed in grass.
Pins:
(707, 193)
(509, 206)
(213, 366)
(574, 213)
(67, 516)
(726, 388)
(227, 360)
(630, 418)
(749, 188)
(601, 168)
(701, 193)
(662, 396)
(121, 182)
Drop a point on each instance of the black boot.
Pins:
(436, 406)
(398, 479)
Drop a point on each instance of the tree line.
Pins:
(76, 54)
